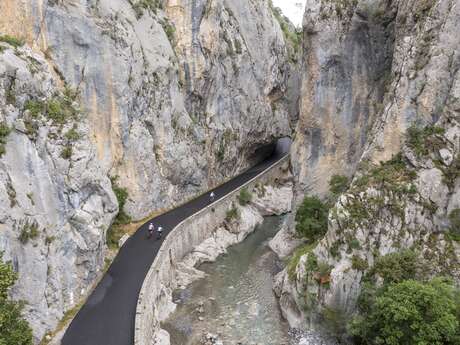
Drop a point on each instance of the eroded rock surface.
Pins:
(379, 103)
(172, 98)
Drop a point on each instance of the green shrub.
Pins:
(4, 132)
(323, 269)
(116, 231)
(49, 240)
(60, 109)
(55, 111)
(72, 134)
(66, 152)
(311, 218)
(334, 249)
(13, 328)
(244, 197)
(31, 127)
(454, 218)
(294, 260)
(7, 278)
(28, 231)
(34, 107)
(312, 262)
(411, 312)
(169, 30)
(425, 140)
(139, 6)
(113, 235)
(13, 41)
(422, 8)
(354, 244)
(238, 47)
(122, 195)
(30, 196)
(396, 267)
(10, 95)
(232, 214)
(338, 184)
(393, 175)
(358, 263)
(221, 152)
(452, 172)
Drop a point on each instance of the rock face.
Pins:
(170, 97)
(54, 210)
(370, 69)
(380, 102)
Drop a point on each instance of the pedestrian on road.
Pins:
(159, 232)
(212, 196)
(151, 228)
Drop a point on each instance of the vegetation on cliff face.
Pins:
(139, 6)
(244, 197)
(411, 312)
(291, 34)
(311, 218)
(13, 328)
(11, 40)
(387, 208)
(116, 231)
(338, 184)
(4, 131)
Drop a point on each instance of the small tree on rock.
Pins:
(13, 328)
(311, 218)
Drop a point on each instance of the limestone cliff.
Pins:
(172, 97)
(379, 103)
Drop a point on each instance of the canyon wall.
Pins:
(380, 104)
(164, 98)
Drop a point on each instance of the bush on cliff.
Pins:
(13, 328)
(454, 218)
(244, 197)
(116, 231)
(338, 184)
(411, 312)
(311, 218)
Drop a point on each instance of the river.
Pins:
(235, 301)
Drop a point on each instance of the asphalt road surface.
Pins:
(107, 317)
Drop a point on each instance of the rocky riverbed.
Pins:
(235, 303)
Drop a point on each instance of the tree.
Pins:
(311, 218)
(338, 184)
(13, 328)
(411, 312)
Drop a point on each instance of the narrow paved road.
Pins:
(107, 317)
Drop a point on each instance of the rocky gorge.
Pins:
(378, 112)
(115, 110)
(241, 220)
(188, 113)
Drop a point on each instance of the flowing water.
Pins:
(235, 301)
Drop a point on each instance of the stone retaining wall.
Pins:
(154, 302)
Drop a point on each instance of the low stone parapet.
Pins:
(154, 302)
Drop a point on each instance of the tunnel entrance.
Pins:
(261, 153)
